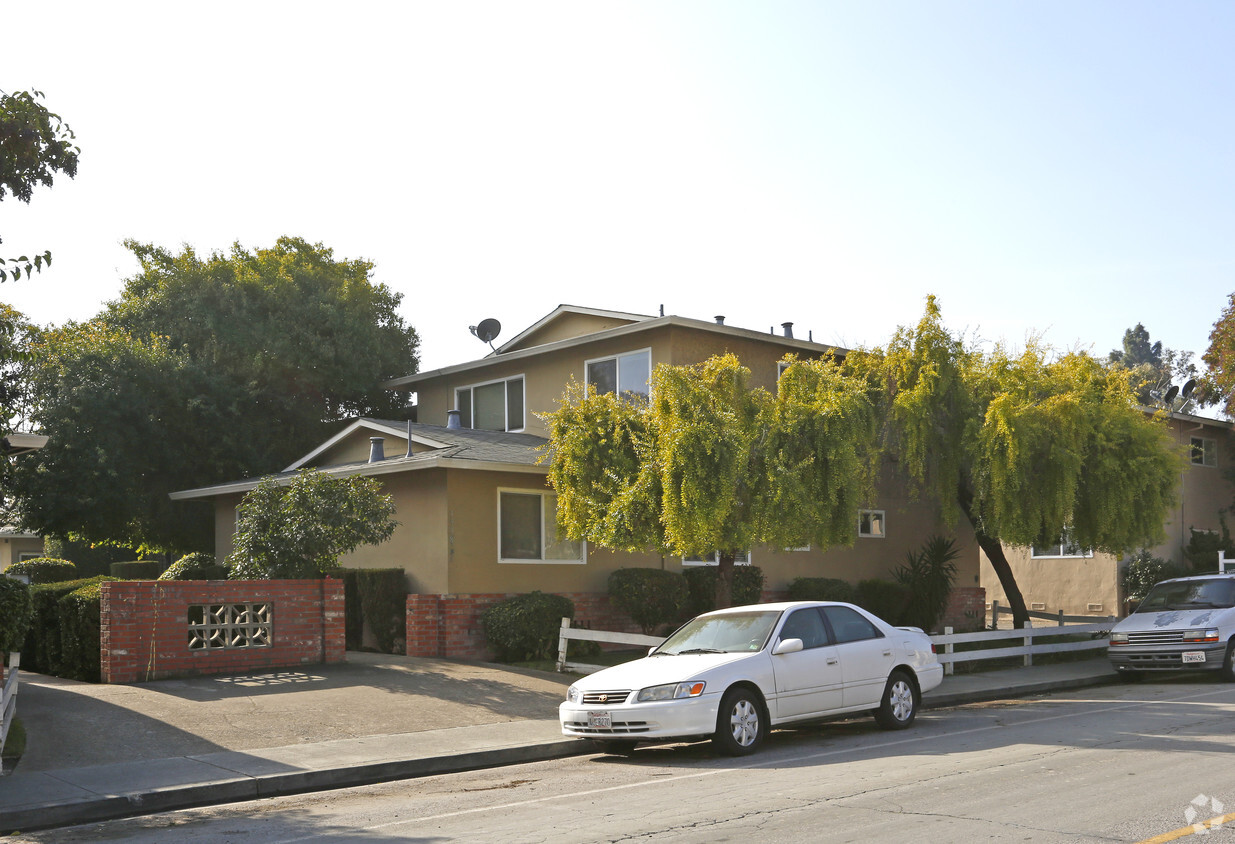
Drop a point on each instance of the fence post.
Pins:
(1028, 640)
(949, 648)
(1061, 618)
(994, 614)
(561, 645)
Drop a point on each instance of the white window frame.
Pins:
(471, 388)
(545, 540)
(617, 359)
(22, 556)
(715, 560)
(881, 517)
(1206, 449)
(1063, 544)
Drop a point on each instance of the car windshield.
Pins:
(729, 633)
(1216, 593)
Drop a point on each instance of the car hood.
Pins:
(655, 670)
(1170, 619)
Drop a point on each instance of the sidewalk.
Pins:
(101, 752)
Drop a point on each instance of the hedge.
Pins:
(525, 627)
(885, 598)
(137, 570)
(43, 649)
(383, 600)
(651, 597)
(747, 587)
(195, 566)
(15, 613)
(820, 589)
(43, 570)
(80, 635)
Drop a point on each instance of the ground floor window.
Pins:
(742, 558)
(527, 530)
(1063, 546)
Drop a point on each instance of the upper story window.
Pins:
(1204, 452)
(872, 523)
(494, 406)
(626, 374)
(1064, 546)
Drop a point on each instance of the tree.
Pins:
(298, 529)
(203, 371)
(1220, 358)
(709, 465)
(1153, 369)
(35, 144)
(1025, 447)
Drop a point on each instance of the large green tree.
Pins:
(1025, 446)
(203, 371)
(1153, 368)
(1220, 358)
(709, 465)
(35, 145)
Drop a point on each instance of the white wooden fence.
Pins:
(1022, 643)
(8, 699)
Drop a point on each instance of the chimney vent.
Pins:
(788, 326)
(409, 438)
(453, 420)
(720, 319)
(376, 450)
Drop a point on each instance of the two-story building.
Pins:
(477, 519)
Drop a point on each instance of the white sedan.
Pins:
(734, 673)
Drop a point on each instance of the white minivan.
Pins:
(1184, 624)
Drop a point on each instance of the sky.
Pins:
(1055, 169)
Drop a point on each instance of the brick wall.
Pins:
(966, 609)
(144, 627)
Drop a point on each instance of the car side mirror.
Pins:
(787, 646)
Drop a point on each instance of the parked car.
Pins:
(1183, 624)
(733, 674)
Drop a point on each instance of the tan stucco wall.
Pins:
(420, 543)
(1204, 491)
(11, 549)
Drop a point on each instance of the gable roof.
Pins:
(638, 325)
(557, 315)
(457, 448)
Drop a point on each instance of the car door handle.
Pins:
(832, 660)
(887, 653)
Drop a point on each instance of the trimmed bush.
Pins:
(525, 627)
(1203, 547)
(651, 597)
(15, 613)
(80, 635)
(928, 575)
(747, 587)
(383, 601)
(1144, 570)
(820, 589)
(137, 570)
(195, 566)
(353, 615)
(885, 598)
(42, 650)
(44, 570)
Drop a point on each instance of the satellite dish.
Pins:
(1188, 388)
(1171, 393)
(487, 330)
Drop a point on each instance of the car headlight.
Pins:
(1209, 635)
(1119, 639)
(573, 695)
(671, 691)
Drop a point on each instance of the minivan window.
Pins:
(1213, 593)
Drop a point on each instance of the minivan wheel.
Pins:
(900, 702)
(1228, 669)
(740, 725)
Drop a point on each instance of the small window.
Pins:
(740, 559)
(626, 375)
(1204, 452)
(22, 556)
(527, 530)
(871, 523)
(849, 625)
(495, 406)
(1063, 546)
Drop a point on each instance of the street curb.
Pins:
(1024, 690)
(238, 787)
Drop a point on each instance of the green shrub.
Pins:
(43, 570)
(651, 597)
(42, 650)
(1203, 546)
(353, 615)
(383, 601)
(928, 575)
(15, 613)
(1144, 570)
(137, 570)
(91, 560)
(195, 566)
(885, 598)
(525, 627)
(747, 587)
(80, 634)
(820, 589)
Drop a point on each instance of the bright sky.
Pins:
(1065, 168)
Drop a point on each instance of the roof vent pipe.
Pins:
(788, 326)
(720, 319)
(454, 420)
(376, 450)
(409, 439)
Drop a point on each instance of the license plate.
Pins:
(600, 720)
(1194, 656)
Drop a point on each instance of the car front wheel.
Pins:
(1228, 669)
(740, 725)
(900, 703)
